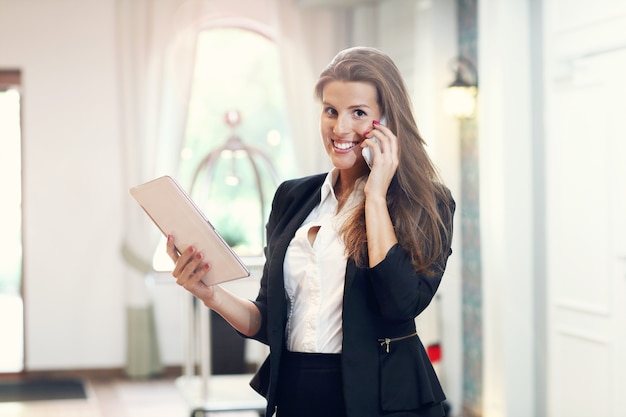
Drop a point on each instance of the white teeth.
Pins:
(345, 145)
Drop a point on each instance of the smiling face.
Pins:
(348, 111)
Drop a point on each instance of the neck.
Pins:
(344, 186)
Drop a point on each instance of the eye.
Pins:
(359, 113)
(330, 111)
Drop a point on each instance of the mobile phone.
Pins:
(367, 153)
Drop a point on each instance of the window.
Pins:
(11, 310)
(237, 94)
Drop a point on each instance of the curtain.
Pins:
(308, 38)
(156, 50)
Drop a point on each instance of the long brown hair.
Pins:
(420, 206)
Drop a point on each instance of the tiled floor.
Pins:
(116, 398)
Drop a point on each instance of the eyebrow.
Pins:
(355, 106)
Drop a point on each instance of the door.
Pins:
(586, 237)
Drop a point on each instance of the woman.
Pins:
(352, 257)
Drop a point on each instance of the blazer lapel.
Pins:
(278, 306)
(294, 223)
(350, 274)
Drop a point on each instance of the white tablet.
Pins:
(173, 211)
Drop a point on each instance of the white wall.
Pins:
(436, 45)
(71, 183)
(507, 162)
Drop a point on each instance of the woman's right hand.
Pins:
(189, 270)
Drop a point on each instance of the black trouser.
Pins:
(310, 385)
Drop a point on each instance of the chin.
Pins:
(350, 166)
(343, 163)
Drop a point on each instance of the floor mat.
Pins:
(41, 390)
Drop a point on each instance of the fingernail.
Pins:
(169, 238)
(206, 266)
(366, 133)
(190, 249)
(198, 255)
(375, 122)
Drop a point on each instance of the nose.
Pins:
(342, 126)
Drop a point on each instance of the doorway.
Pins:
(11, 303)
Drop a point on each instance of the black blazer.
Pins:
(380, 303)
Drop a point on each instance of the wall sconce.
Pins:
(460, 96)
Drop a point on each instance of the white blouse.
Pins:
(315, 275)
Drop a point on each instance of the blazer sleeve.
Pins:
(402, 294)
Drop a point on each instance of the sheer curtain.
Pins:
(308, 38)
(156, 51)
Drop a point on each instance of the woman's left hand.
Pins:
(381, 235)
(385, 159)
